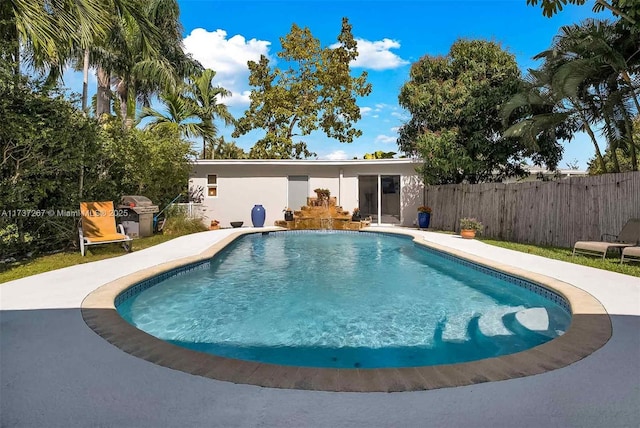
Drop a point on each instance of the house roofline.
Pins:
(344, 162)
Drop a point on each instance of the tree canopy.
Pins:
(455, 125)
(622, 157)
(379, 154)
(311, 89)
(588, 82)
(49, 147)
(629, 10)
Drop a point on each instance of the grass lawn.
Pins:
(612, 262)
(61, 260)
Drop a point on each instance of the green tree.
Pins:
(135, 15)
(545, 111)
(180, 118)
(47, 31)
(154, 163)
(47, 144)
(42, 143)
(455, 125)
(205, 99)
(137, 64)
(315, 91)
(623, 158)
(629, 10)
(218, 148)
(379, 154)
(191, 110)
(589, 74)
(55, 32)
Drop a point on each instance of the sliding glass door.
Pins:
(379, 198)
(368, 196)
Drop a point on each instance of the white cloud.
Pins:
(365, 110)
(395, 129)
(337, 155)
(377, 55)
(237, 98)
(228, 57)
(385, 139)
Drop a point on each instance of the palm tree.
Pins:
(205, 98)
(595, 61)
(587, 81)
(180, 118)
(49, 31)
(221, 149)
(139, 65)
(549, 110)
(134, 14)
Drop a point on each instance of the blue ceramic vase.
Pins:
(258, 215)
(423, 220)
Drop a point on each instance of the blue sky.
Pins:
(225, 34)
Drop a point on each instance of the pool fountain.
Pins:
(321, 214)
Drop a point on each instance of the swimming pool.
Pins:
(344, 300)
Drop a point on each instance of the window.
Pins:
(212, 185)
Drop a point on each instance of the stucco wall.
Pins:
(241, 186)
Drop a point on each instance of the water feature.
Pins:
(321, 214)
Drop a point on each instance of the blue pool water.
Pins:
(343, 300)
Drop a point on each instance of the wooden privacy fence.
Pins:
(556, 213)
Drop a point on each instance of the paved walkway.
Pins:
(56, 372)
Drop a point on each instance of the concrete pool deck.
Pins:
(55, 371)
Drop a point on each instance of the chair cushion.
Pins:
(111, 237)
(631, 251)
(598, 246)
(98, 220)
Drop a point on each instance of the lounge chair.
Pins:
(629, 236)
(630, 254)
(98, 226)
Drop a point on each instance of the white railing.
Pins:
(192, 209)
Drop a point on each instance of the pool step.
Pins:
(498, 322)
(534, 320)
(492, 324)
(459, 332)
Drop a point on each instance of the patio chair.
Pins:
(630, 254)
(629, 236)
(98, 226)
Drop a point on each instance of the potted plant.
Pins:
(288, 214)
(356, 215)
(322, 195)
(469, 226)
(424, 216)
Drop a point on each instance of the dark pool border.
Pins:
(590, 329)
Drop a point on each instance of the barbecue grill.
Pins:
(139, 221)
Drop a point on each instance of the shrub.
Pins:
(179, 223)
(470, 223)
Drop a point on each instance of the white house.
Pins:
(388, 190)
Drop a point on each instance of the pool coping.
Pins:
(590, 329)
